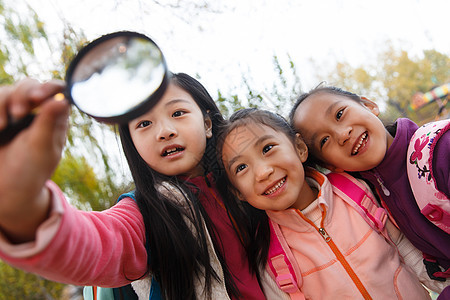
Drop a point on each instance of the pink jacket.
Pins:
(354, 263)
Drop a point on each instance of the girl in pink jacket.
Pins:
(339, 255)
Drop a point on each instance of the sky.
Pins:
(221, 40)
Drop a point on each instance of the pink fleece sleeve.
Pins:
(84, 248)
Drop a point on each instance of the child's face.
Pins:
(341, 132)
(265, 167)
(171, 137)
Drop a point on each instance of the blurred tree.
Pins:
(391, 82)
(21, 34)
(394, 80)
(279, 97)
(15, 284)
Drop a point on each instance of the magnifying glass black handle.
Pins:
(14, 127)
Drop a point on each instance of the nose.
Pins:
(263, 172)
(166, 131)
(343, 134)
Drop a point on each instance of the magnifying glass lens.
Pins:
(116, 75)
(114, 79)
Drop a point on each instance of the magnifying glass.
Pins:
(113, 79)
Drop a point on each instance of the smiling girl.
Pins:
(343, 132)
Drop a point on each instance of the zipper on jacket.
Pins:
(324, 234)
(381, 183)
(337, 253)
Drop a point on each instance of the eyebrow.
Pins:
(175, 101)
(259, 141)
(331, 108)
(171, 102)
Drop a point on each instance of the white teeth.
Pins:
(170, 151)
(361, 141)
(275, 187)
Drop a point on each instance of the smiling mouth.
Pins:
(362, 142)
(172, 151)
(275, 187)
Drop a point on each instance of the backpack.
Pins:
(125, 292)
(433, 204)
(282, 265)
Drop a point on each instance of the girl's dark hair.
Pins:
(177, 253)
(257, 221)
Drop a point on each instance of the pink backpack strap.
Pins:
(282, 265)
(433, 204)
(355, 194)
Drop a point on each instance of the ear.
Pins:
(372, 106)
(300, 146)
(239, 196)
(208, 126)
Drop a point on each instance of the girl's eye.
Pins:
(144, 124)
(267, 148)
(240, 168)
(178, 113)
(339, 114)
(323, 141)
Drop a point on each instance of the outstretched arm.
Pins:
(29, 160)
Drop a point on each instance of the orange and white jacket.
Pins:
(349, 260)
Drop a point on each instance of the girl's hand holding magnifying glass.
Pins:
(28, 160)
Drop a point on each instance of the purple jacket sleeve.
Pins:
(88, 248)
(441, 163)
